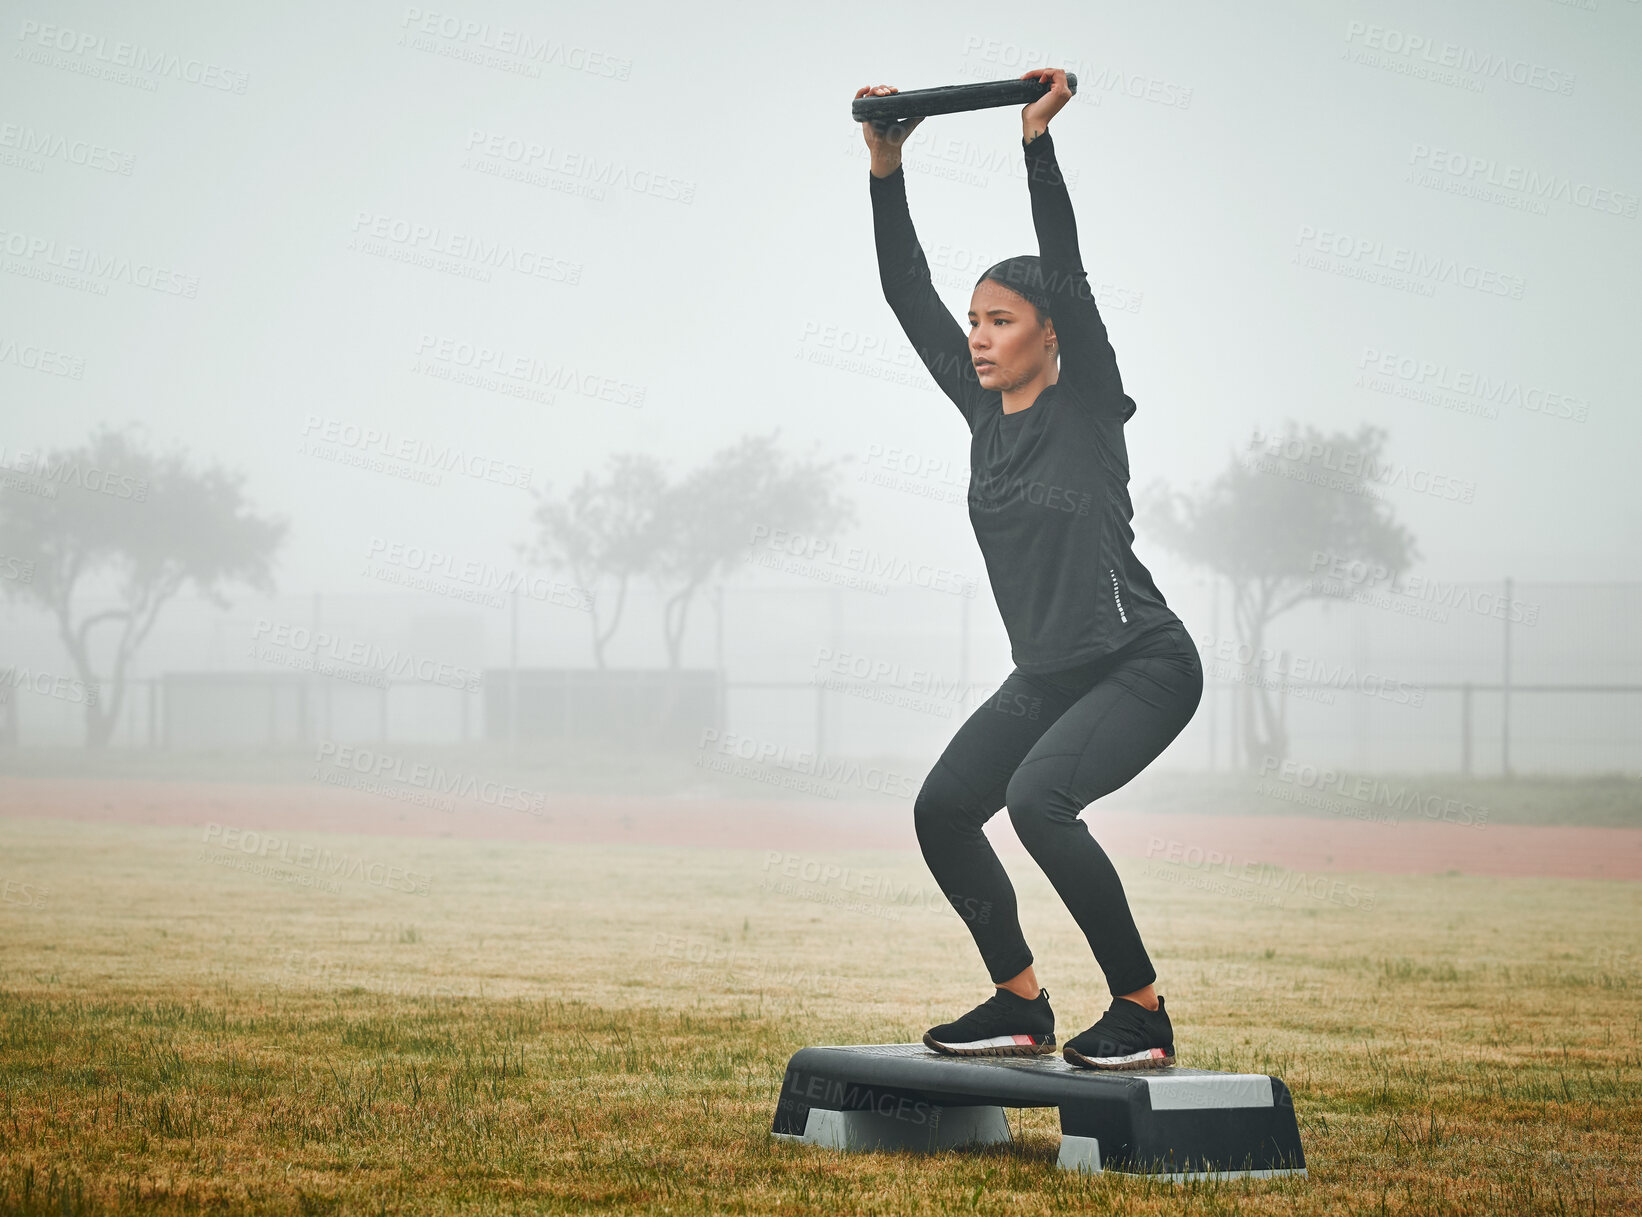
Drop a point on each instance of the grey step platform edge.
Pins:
(1171, 1123)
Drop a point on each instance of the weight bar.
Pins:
(885, 110)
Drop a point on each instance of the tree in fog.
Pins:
(606, 527)
(1282, 514)
(112, 521)
(713, 514)
(633, 521)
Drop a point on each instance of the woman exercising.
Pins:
(1105, 673)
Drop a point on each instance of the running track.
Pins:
(1300, 843)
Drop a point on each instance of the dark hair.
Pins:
(1023, 275)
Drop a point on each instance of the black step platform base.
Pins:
(1172, 1123)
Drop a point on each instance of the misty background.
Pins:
(646, 232)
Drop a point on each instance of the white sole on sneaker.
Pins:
(997, 1045)
(1151, 1058)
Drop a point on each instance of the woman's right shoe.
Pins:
(1005, 1024)
(1128, 1036)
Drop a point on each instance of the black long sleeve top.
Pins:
(1049, 485)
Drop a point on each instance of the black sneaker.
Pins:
(1005, 1024)
(1128, 1036)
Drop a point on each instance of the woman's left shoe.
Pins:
(1128, 1036)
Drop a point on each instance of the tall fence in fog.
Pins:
(1485, 678)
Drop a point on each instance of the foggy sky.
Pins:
(1210, 145)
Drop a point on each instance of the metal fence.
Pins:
(1476, 677)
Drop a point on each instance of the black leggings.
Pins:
(1048, 746)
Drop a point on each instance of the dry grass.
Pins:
(571, 1029)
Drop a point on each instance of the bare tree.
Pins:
(708, 516)
(142, 524)
(633, 521)
(1261, 524)
(606, 527)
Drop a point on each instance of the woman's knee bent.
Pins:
(1039, 810)
(945, 805)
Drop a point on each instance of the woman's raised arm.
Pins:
(1086, 354)
(903, 271)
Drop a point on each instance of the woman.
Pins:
(1105, 673)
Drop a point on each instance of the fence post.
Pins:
(1214, 702)
(1505, 690)
(1465, 729)
(315, 684)
(820, 720)
(1283, 697)
(513, 677)
(718, 655)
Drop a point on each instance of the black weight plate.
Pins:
(950, 99)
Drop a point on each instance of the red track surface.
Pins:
(1310, 844)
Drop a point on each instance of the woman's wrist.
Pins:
(883, 166)
(1030, 131)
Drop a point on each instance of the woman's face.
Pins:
(1007, 343)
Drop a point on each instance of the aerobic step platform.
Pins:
(1172, 1123)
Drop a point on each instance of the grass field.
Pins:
(472, 1027)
